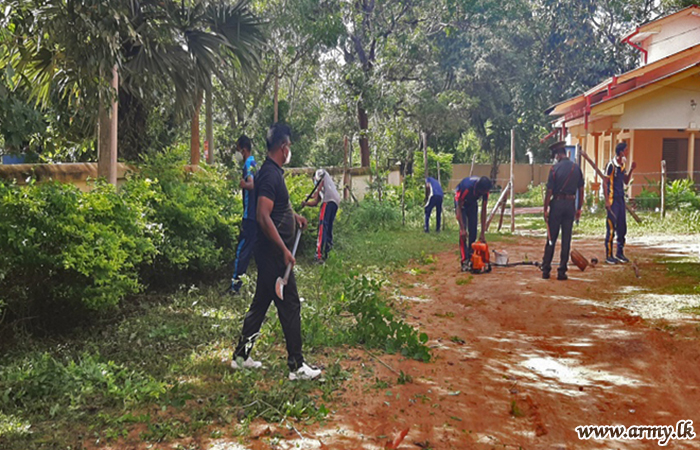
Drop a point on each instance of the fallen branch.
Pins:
(382, 362)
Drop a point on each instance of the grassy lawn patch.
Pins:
(159, 372)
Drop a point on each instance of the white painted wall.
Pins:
(673, 37)
(665, 108)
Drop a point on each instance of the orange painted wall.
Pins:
(648, 151)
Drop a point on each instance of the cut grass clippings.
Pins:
(159, 372)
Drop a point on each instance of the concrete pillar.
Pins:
(691, 155)
(596, 150)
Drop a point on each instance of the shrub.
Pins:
(376, 325)
(648, 199)
(199, 213)
(680, 194)
(64, 249)
(533, 197)
(371, 214)
(42, 382)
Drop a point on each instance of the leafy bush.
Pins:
(680, 194)
(445, 160)
(649, 198)
(199, 213)
(376, 325)
(65, 249)
(533, 197)
(42, 382)
(370, 214)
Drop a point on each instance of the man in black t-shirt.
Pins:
(560, 209)
(277, 224)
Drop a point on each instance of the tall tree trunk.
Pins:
(210, 129)
(276, 101)
(194, 132)
(107, 141)
(364, 141)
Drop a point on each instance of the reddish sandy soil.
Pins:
(520, 362)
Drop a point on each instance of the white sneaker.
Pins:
(305, 372)
(247, 364)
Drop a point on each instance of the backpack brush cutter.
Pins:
(480, 262)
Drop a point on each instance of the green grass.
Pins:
(162, 361)
(675, 223)
(686, 277)
(593, 224)
(158, 365)
(391, 249)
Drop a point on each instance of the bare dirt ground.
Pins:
(519, 362)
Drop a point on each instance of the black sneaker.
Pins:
(611, 260)
(562, 276)
(465, 267)
(545, 275)
(622, 258)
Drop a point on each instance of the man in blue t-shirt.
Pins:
(433, 199)
(246, 240)
(467, 195)
(614, 189)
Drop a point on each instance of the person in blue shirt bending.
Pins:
(246, 240)
(467, 195)
(433, 199)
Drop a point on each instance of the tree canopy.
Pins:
(382, 72)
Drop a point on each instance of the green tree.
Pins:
(69, 47)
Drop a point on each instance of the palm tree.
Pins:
(206, 38)
(74, 49)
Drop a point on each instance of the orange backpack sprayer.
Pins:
(480, 261)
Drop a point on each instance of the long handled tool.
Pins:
(282, 282)
(313, 190)
(602, 175)
(521, 263)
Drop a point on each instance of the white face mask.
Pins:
(289, 156)
(238, 157)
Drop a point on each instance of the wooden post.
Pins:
(350, 151)
(662, 188)
(512, 180)
(107, 141)
(503, 211)
(501, 200)
(471, 170)
(424, 137)
(403, 195)
(275, 100)
(209, 143)
(345, 169)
